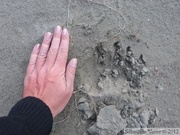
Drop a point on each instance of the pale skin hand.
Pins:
(48, 78)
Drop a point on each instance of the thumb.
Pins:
(70, 73)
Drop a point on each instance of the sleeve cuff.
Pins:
(33, 113)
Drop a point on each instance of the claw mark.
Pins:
(119, 15)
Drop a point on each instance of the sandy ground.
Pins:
(149, 27)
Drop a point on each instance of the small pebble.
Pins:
(156, 69)
(81, 100)
(159, 87)
(100, 85)
(115, 73)
(145, 69)
(135, 115)
(124, 90)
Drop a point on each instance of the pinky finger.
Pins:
(33, 59)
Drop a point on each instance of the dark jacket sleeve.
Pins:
(30, 116)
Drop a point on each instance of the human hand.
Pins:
(48, 78)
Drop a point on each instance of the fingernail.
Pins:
(74, 62)
(48, 35)
(58, 29)
(37, 46)
(64, 31)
